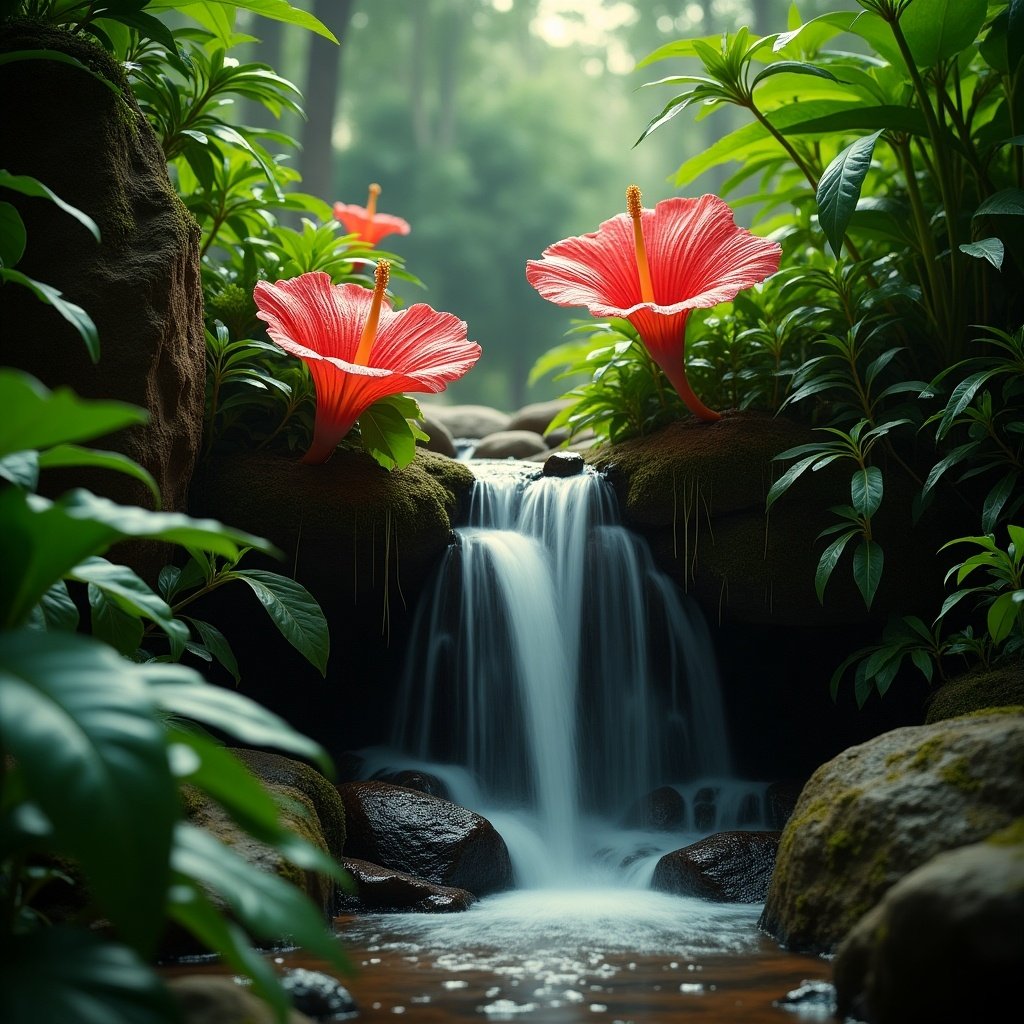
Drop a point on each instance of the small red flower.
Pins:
(366, 222)
(652, 267)
(358, 349)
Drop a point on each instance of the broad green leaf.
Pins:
(112, 625)
(1015, 35)
(217, 644)
(70, 974)
(189, 905)
(81, 724)
(997, 498)
(388, 436)
(790, 476)
(848, 118)
(1002, 614)
(1008, 202)
(939, 29)
(866, 489)
(59, 611)
(868, 560)
(276, 10)
(237, 716)
(792, 67)
(21, 469)
(63, 455)
(990, 249)
(813, 33)
(36, 417)
(828, 561)
(294, 611)
(924, 663)
(839, 189)
(12, 234)
(43, 540)
(74, 314)
(267, 906)
(32, 187)
(129, 592)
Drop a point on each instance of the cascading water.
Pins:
(555, 677)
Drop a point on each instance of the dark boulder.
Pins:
(424, 836)
(564, 464)
(663, 808)
(727, 867)
(379, 889)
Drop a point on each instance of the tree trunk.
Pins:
(321, 96)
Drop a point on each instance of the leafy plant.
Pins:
(12, 248)
(96, 746)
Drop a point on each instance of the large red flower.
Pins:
(366, 222)
(358, 349)
(652, 267)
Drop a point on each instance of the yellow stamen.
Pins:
(371, 200)
(380, 277)
(634, 209)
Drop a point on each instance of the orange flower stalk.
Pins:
(366, 222)
(652, 267)
(358, 349)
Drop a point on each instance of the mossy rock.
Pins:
(698, 491)
(276, 770)
(883, 808)
(1001, 686)
(92, 145)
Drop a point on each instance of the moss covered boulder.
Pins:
(881, 809)
(93, 147)
(697, 491)
(364, 542)
(1001, 686)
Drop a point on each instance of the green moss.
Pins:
(981, 691)
(957, 773)
(1012, 835)
(928, 753)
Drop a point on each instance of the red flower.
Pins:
(652, 267)
(366, 222)
(359, 349)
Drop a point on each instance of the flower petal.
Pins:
(370, 229)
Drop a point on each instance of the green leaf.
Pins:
(189, 905)
(266, 905)
(294, 611)
(32, 187)
(1002, 614)
(112, 625)
(36, 417)
(44, 540)
(59, 611)
(990, 249)
(939, 29)
(861, 118)
(276, 10)
(237, 716)
(866, 489)
(388, 436)
(996, 499)
(828, 561)
(12, 234)
(64, 455)
(21, 469)
(792, 67)
(217, 644)
(81, 725)
(129, 592)
(840, 186)
(867, 569)
(1007, 202)
(14, 56)
(71, 974)
(74, 314)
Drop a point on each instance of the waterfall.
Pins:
(555, 677)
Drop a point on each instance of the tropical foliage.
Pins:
(895, 187)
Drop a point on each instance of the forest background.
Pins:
(496, 127)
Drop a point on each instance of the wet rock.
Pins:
(140, 284)
(440, 437)
(705, 809)
(946, 942)
(537, 415)
(467, 421)
(423, 782)
(564, 464)
(318, 995)
(510, 444)
(380, 889)
(424, 836)
(663, 808)
(727, 867)
(815, 1000)
(277, 771)
(870, 816)
(214, 999)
